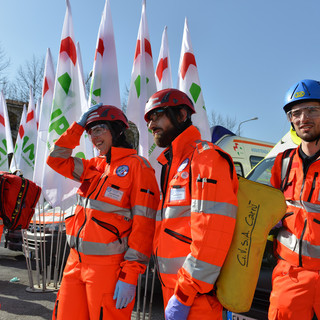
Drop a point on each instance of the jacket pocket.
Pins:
(178, 236)
(109, 227)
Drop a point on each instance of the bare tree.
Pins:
(4, 64)
(225, 121)
(29, 74)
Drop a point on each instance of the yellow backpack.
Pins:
(260, 208)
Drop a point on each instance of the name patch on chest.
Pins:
(113, 194)
(177, 194)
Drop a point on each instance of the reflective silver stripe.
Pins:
(71, 241)
(158, 215)
(144, 212)
(176, 212)
(144, 160)
(311, 207)
(205, 145)
(213, 207)
(170, 265)
(104, 207)
(284, 168)
(61, 152)
(201, 270)
(78, 168)
(1, 222)
(103, 249)
(134, 255)
(290, 241)
(308, 206)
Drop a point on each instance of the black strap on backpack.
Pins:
(286, 163)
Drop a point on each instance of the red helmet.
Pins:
(167, 98)
(107, 113)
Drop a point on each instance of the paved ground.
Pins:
(17, 302)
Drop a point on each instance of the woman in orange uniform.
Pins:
(111, 230)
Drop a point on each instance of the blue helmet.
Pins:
(304, 90)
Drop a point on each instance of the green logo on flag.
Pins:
(60, 124)
(137, 84)
(4, 141)
(65, 82)
(195, 91)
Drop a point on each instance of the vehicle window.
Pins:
(262, 172)
(254, 160)
(239, 169)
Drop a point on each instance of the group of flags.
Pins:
(64, 99)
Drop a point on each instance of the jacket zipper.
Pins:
(85, 216)
(313, 186)
(178, 236)
(111, 228)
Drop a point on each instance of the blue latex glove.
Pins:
(83, 119)
(124, 294)
(175, 310)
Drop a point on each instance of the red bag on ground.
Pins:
(18, 198)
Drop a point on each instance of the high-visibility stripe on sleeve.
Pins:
(78, 168)
(214, 207)
(170, 265)
(134, 255)
(144, 212)
(60, 152)
(201, 270)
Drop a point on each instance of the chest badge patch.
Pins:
(183, 164)
(122, 171)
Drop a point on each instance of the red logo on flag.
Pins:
(100, 49)
(188, 59)
(162, 65)
(68, 46)
(30, 116)
(2, 120)
(147, 48)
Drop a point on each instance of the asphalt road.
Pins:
(17, 301)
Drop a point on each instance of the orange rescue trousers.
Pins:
(295, 293)
(86, 291)
(204, 307)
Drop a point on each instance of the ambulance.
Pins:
(246, 153)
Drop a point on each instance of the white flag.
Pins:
(66, 108)
(105, 81)
(189, 83)
(44, 118)
(16, 158)
(163, 70)
(6, 145)
(142, 86)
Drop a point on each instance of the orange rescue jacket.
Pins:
(196, 216)
(298, 242)
(117, 202)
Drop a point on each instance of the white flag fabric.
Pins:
(84, 103)
(16, 158)
(105, 81)
(142, 86)
(163, 70)
(38, 112)
(44, 117)
(189, 83)
(6, 144)
(26, 147)
(66, 108)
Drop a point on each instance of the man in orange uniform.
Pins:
(111, 230)
(296, 280)
(196, 215)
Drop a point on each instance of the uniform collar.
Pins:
(119, 153)
(182, 144)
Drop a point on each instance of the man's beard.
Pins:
(165, 138)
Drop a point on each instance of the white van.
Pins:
(246, 153)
